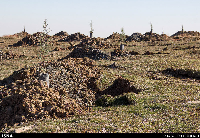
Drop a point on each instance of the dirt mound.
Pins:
(186, 33)
(26, 99)
(23, 105)
(61, 33)
(34, 39)
(86, 51)
(74, 37)
(135, 37)
(99, 43)
(155, 37)
(20, 35)
(119, 87)
(115, 36)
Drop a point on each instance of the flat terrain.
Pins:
(169, 102)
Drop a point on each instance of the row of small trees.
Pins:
(45, 41)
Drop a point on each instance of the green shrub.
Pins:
(124, 99)
(45, 41)
(104, 100)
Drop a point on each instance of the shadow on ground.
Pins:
(182, 73)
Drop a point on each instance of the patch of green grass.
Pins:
(108, 100)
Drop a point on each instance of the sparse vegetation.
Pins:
(168, 101)
(45, 40)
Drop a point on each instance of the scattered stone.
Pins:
(44, 78)
(122, 47)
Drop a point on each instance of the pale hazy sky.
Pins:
(107, 16)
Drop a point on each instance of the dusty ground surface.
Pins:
(167, 75)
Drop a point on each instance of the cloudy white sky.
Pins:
(108, 16)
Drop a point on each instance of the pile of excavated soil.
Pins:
(115, 37)
(74, 37)
(155, 37)
(34, 39)
(186, 33)
(119, 86)
(61, 33)
(99, 43)
(86, 51)
(135, 37)
(22, 97)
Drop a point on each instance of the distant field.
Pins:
(169, 101)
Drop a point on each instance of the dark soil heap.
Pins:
(61, 33)
(119, 86)
(74, 37)
(155, 37)
(31, 39)
(115, 37)
(135, 37)
(186, 33)
(87, 51)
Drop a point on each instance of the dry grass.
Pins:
(166, 103)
